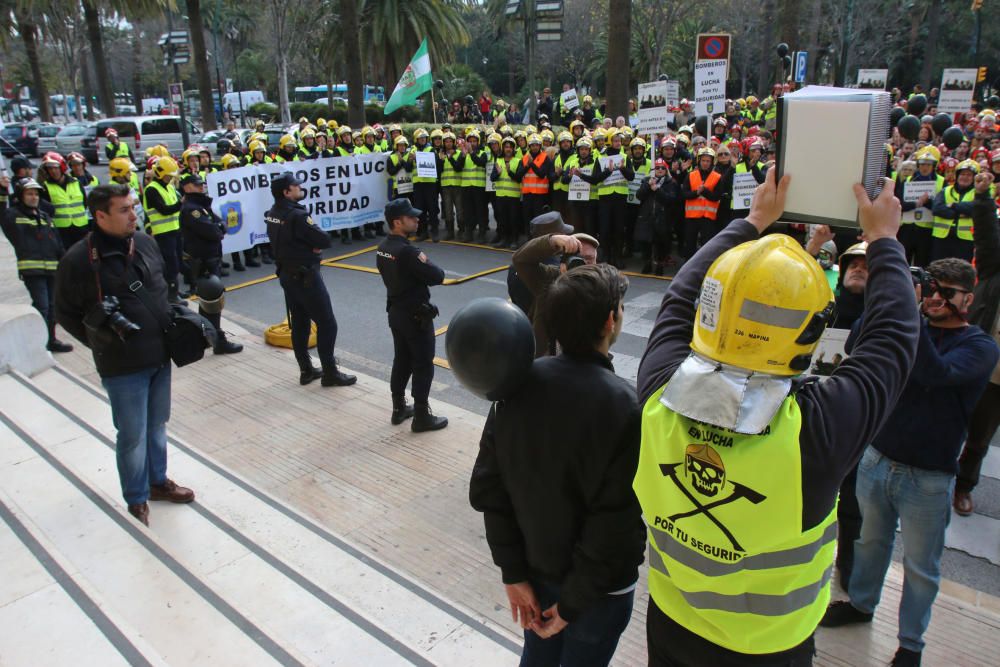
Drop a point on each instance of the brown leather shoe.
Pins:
(171, 492)
(963, 503)
(140, 512)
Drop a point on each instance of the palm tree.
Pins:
(350, 26)
(20, 18)
(197, 28)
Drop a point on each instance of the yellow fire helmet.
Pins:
(576, 123)
(321, 123)
(120, 167)
(494, 138)
(971, 165)
(752, 100)
(520, 134)
(638, 141)
(332, 124)
(565, 136)
(437, 133)
(706, 151)
(345, 129)
(159, 150)
(530, 129)
(584, 142)
(763, 307)
(535, 139)
(587, 98)
(448, 135)
(420, 132)
(600, 134)
(355, 135)
(928, 154)
(287, 141)
(471, 131)
(395, 127)
(308, 133)
(165, 167)
(303, 120)
(366, 130)
(401, 140)
(230, 161)
(257, 146)
(192, 151)
(626, 130)
(508, 140)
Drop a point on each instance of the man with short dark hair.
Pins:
(96, 305)
(407, 274)
(907, 474)
(553, 480)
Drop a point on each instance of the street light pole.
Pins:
(215, 48)
(529, 53)
(171, 50)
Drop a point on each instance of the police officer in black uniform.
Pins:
(297, 244)
(203, 232)
(407, 274)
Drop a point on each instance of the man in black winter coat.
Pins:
(553, 480)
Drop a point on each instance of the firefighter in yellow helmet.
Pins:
(951, 235)
(560, 190)
(741, 460)
(163, 207)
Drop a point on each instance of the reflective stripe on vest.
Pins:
(701, 207)
(473, 176)
(423, 179)
(68, 204)
(727, 555)
(621, 188)
(158, 222)
(531, 184)
(942, 226)
(505, 185)
(559, 186)
(449, 177)
(121, 150)
(574, 162)
(396, 158)
(37, 264)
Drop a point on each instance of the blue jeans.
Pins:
(589, 640)
(888, 492)
(140, 408)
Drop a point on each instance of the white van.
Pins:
(141, 132)
(245, 97)
(153, 105)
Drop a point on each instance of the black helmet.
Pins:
(20, 163)
(490, 347)
(223, 146)
(210, 288)
(469, 99)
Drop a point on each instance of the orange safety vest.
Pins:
(531, 184)
(701, 207)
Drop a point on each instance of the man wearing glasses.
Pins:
(908, 472)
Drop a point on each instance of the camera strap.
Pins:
(94, 258)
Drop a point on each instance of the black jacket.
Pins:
(203, 230)
(406, 278)
(76, 294)
(987, 240)
(34, 238)
(554, 481)
(294, 236)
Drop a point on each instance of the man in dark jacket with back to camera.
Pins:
(297, 244)
(553, 481)
(95, 304)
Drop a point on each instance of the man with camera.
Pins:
(297, 244)
(97, 305)
(553, 480)
(536, 269)
(407, 274)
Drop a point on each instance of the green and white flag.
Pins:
(416, 81)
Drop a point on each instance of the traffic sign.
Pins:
(801, 64)
(176, 92)
(175, 38)
(714, 46)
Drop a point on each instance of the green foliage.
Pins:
(265, 110)
(460, 80)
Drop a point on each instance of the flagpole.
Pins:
(433, 114)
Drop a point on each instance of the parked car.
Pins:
(274, 134)
(47, 133)
(88, 145)
(211, 139)
(19, 139)
(140, 132)
(68, 140)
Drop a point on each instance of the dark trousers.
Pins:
(583, 216)
(170, 248)
(611, 220)
(921, 246)
(590, 640)
(474, 211)
(71, 235)
(848, 526)
(41, 288)
(697, 232)
(952, 246)
(628, 237)
(308, 301)
(413, 355)
(671, 645)
(507, 211)
(532, 206)
(425, 197)
(560, 201)
(982, 425)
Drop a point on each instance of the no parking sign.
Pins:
(714, 46)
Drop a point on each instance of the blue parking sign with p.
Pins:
(801, 62)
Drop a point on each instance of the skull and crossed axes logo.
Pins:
(707, 475)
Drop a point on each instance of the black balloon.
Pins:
(909, 127)
(787, 60)
(941, 122)
(993, 102)
(701, 125)
(490, 347)
(953, 137)
(895, 115)
(782, 50)
(439, 84)
(916, 104)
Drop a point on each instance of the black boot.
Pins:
(223, 345)
(238, 263)
(424, 419)
(333, 377)
(400, 410)
(172, 295)
(307, 375)
(55, 345)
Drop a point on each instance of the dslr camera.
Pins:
(572, 261)
(108, 312)
(923, 279)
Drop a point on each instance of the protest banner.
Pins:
(673, 93)
(654, 116)
(490, 185)
(957, 89)
(912, 192)
(341, 192)
(426, 164)
(569, 99)
(710, 87)
(579, 189)
(611, 163)
(633, 188)
(829, 353)
(744, 185)
(872, 79)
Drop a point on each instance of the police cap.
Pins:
(397, 208)
(282, 182)
(192, 179)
